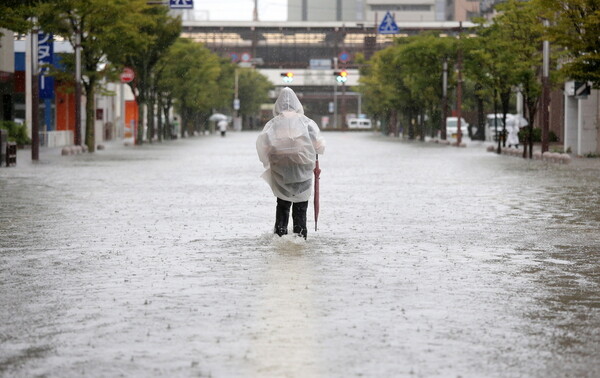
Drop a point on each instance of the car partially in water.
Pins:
(360, 123)
(452, 128)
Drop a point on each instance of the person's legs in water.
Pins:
(299, 218)
(282, 216)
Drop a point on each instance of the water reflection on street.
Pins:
(429, 261)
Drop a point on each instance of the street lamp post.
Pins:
(35, 95)
(545, 92)
(335, 105)
(459, 90)
(237, 122)
(444, 99)
(78, 87)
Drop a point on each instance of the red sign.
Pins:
(127, 75)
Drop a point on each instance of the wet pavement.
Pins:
(430, 261)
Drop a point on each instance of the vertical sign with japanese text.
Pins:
(45, 57)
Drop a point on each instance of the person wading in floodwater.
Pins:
(288, 147)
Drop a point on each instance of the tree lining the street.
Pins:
(117, 34)
(502, 58)
(190, 75)
(106, 28)
(252, 93)
(575, 25)
(158, 31)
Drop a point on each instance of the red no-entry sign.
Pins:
(127, 75)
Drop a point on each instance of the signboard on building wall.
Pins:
(45, 58)
(181, 4)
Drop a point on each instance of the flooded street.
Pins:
(429, 261)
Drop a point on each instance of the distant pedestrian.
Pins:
(512, 127)
(222, 124)
(288, 146)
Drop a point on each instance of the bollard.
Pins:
(66, 151)
(3, 145)
(546, 156)
(565, 158)
(11, 154)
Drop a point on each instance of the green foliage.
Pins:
(157, 31)
(537, 135)
(16, 132)
(576, 27)
(14, 14)
(505, 56)
(108, 28)
(191, 75)
(253, 91)
(407, 78)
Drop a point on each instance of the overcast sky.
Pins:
(239, 10)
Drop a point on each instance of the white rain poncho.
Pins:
(287, 147)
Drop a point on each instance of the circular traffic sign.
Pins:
(246, 57)
(344, 57)
(127, 75)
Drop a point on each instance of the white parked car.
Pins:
(493, 127)
(359, 123)
(452, 128)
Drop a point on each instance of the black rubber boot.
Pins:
(282, 216)
(299, 218)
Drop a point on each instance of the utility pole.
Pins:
(344, 125)
(237, 122)
(78, 87)
(255, 12)
(35, 94)
(545, 116)
(335, 105)
(459, 89)
(444, 99)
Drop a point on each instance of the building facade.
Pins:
(7, 71)
(373, 11)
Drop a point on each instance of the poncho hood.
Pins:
(287, 102)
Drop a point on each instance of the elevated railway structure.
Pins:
(312, 51)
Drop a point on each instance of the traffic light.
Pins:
(288, 77)
(341, 76)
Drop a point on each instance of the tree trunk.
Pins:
(499, 148)
(90, 140)
(422, 125)
(531, 109)
(411, 126)
(159, 124)
(505, 101)
(393, 126)
(151, 104)
(139, 140)
(167, 129)
(480, 116)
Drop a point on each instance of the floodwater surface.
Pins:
(429, 261)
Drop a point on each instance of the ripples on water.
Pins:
(429, 261)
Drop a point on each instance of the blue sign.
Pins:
(181, 4)
(344, 57)
(388, 25)
(45, 57)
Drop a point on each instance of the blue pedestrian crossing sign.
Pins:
(388, 25)
(181, 4)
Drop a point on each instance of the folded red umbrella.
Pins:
(317, 172)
